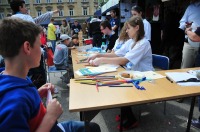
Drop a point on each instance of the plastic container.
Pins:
(103, 47)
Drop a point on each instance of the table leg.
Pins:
(81, 116)
(190, 114)
(121, 120)
(87, 116)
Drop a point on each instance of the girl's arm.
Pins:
(114, 60)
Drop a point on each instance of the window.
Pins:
(85, 11)
(84, 0)
(38, 1)
(61, 12)
(26, 1)
(2, 15)
(71, 11)
(71, 0)
(59, 1)
(28, 11)
(1, 2)
(48, 10)
(39, 12)
(48, 1)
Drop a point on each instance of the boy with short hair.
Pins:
(106, 29)
(20, 11)
(20, 101)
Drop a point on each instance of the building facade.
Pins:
(75, 9)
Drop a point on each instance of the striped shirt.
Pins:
(36, 20)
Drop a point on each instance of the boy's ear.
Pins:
(27, 47)
(20, 8)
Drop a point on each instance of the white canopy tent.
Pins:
(109, 6)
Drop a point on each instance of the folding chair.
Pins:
(161, 62)
(52, 69)
(50, 65)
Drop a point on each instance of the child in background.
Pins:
(61, 53)
(61, 57)
(75, 41)
(122, 40)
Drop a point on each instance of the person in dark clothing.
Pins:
(172, 38)
(114, 21)
(76, 28)
(95, 32)
(111, 36)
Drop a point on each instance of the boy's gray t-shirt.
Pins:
(61, 55)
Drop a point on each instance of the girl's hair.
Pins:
(137, 9)
(123, 34)
(65, 22)
(134, 21)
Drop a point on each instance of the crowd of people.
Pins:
(129, 46)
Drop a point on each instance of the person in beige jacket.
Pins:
(65, 28)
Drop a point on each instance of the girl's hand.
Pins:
(92, 57)
(95, 62)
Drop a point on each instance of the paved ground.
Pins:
(152, 119)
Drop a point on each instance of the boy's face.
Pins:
(75, 23)
(23, 9)
(112, 14)
(67, 41)
(104, 30)
(75, 41)
(35, 53)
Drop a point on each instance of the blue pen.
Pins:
(136, 83)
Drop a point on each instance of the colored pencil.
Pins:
(120, 86)
(97, 87)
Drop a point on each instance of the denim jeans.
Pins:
(53, 43)
(78, 126)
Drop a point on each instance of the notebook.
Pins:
(179, 76)
(95, 70)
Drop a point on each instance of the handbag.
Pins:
(50, 57)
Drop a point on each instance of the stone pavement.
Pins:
(152, 119)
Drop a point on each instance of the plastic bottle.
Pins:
(103, 47)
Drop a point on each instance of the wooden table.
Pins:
(88, 101)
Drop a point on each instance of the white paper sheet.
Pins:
(49, 97)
